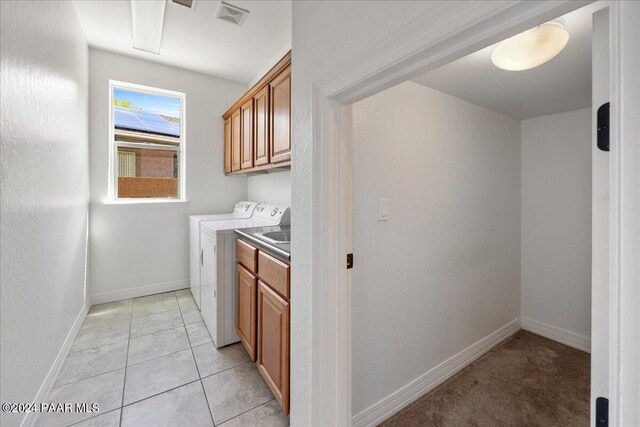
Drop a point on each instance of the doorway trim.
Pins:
(624, 274)
(463, 28)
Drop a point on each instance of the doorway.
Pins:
(332, 131)
(484, 176)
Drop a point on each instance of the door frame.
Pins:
(624, 274)
(465, 27)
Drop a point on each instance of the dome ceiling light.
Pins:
(531, 48)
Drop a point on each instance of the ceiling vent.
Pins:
(191, 4)
(231, 13)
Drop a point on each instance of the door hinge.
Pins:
(602, 412)
(603, 127)
(349, 261)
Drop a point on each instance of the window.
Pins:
(147, 143)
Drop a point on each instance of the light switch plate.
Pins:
(383, 209)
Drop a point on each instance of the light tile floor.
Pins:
(150, 361)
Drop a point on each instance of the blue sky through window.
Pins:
(159, 104)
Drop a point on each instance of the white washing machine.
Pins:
(218, 269)
(241, 210)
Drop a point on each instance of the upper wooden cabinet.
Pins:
(246, 113)
(227, 145)
(261, 106)
(259, 134)
(281, 117)
(236, 148)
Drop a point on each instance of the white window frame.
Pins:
(113, 146)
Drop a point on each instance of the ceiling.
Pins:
(194, 39)
(562, 84)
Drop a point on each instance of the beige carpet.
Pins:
(525, 381)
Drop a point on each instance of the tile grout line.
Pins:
(248, 410)
(182, 385)
(126, 365)
(159, 393)
(200, 378)
(101, 345)
(160, 330)
(96, 416)
(206, 399)
(103, 373)
(128, 340)
(98, 326)
(154, 358)
(158, 312)
(123, 367)
(191, 348)
(225, 370)
(216, 373)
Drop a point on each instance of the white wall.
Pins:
(444, 271)
(325, 36)
(277, 56)
(141, 249)
(274, 187)
(45, 191)
(556, 221)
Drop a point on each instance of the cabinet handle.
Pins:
(201, 257)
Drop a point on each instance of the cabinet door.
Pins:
(246, 321)
(246, 114)
(273, 343)
(227, 145)
(281, 116)
(261, 106)
(235, 141)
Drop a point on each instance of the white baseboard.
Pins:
(139, 291)
(31, 417)
(391, 404)
(557, 334)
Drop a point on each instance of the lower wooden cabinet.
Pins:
(273, 343)
(263, 322)
(247, 310)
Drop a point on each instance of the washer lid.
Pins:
(277, 214)
(240, 210)
(244, 209)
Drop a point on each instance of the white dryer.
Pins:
(241, 210)
(218, 269)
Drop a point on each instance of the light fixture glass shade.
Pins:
(531, 48)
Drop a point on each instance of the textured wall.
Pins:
(325, 36)
(44, 160)
(444, 271)
(556, 220)
(124, 239)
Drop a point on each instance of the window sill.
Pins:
(146, 203)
